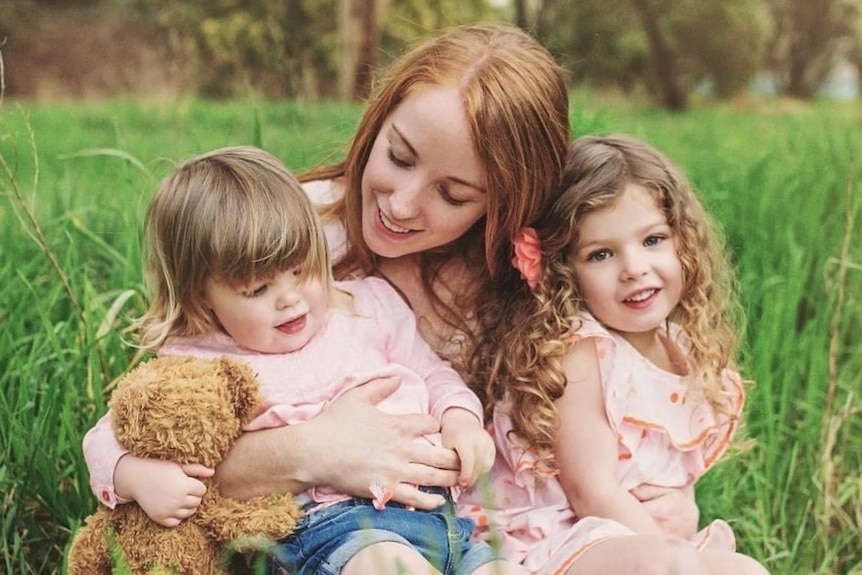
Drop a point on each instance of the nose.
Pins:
(288, 296)
(634, 265)
(404, 201)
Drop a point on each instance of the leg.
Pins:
(641, 554)
(388, 558)
(721, 562)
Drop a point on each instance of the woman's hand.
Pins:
(348, 447)
(674, 509)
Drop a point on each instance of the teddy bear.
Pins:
(186, 410)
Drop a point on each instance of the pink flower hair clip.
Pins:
(528, 255)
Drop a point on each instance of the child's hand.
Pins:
(463, 433)
(167, 492)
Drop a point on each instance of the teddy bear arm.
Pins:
(226, 519)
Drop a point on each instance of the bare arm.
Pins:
(586, 448)
(348, 447)
(674, 509)
(167, 492)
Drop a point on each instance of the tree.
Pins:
(279, 48)
(667, 47)
(360, 43)
(662, 55)
(808, 36)
(408, 21)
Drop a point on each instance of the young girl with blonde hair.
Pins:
(238, 264)
(608, 359)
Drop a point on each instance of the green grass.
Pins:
(785, 182)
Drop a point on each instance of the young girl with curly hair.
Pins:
(608, 362)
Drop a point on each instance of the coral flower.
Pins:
(528, 255)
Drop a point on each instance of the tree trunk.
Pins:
(521, 19)
(546, 21)
(673, 96)
(360, 38)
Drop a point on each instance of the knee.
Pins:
(388, 558)
(673, 557)
(749, 566)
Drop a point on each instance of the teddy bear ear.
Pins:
(243, 386)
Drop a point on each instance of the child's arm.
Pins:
(586, 447)
(166, 491)
(462, 431)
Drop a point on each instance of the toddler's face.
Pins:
(278, 315)
(627, 265)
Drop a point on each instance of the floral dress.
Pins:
(666, 437)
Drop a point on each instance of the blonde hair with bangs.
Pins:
(516, 103)
(234, 215)
(525, 335)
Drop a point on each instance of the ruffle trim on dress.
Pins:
(688, 423)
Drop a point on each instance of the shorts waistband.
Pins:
(306, 503)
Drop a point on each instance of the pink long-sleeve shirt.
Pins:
(378, 338)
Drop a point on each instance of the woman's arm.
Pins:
(674, 509)
(348, 447)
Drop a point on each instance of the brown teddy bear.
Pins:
(185, 410)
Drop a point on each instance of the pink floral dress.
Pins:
(666, 437)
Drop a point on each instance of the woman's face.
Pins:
(423, 185)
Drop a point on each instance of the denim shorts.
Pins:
(325, 540)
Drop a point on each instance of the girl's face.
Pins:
(278, 315)
(627, 265)
(423, 185)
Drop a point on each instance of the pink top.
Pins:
(666, 437)
(379, 338)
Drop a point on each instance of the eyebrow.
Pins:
(601, 242)
(413, 151)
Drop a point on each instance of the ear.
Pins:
(243, 387)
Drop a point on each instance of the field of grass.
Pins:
(784, 180)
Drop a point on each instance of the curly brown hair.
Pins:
(524, 334)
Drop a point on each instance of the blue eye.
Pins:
(599, 256)
(653, 240)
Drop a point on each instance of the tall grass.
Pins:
(785, 185)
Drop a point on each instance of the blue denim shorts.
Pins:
(325, 540)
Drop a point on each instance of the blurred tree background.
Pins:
(667, 50)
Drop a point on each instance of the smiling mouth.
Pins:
(293, 326)
(641, 296)
(387, 223)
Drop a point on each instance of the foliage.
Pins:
(273, 47)
(75, 181)
(408, 20)
(295, 48)
(808, 36)
(715, 43)
(287, 48)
